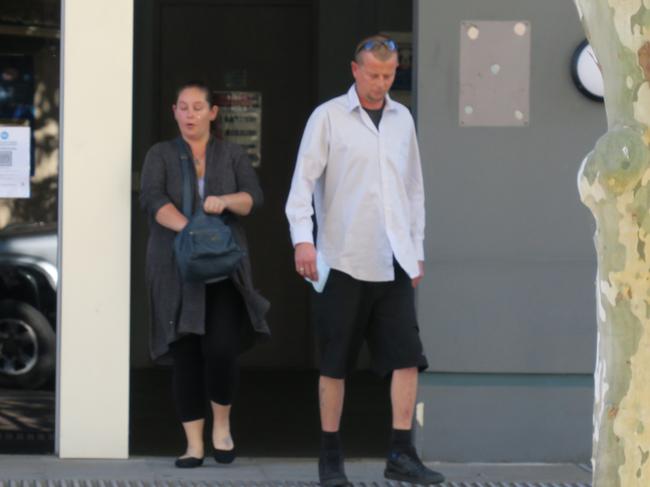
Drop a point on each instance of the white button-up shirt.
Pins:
(366, 184)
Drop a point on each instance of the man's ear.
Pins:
(355, 68)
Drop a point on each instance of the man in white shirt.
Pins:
(359, 162)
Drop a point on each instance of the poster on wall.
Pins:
(17, 93)
(240, 120)
(15, 156)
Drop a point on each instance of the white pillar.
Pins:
(94, 229)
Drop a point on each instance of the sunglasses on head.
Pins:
(389, 44)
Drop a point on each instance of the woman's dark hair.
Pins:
(199, 85)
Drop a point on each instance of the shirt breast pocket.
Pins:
(349, 152)
(400, 154)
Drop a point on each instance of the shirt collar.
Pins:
(353, 100)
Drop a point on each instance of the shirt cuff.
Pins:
(419, 250)
(301, 234)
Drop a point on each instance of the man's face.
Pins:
(373, 77)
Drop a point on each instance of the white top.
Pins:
(201, 187)
(367, 189)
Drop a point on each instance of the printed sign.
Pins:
(240, 120)
(14, 162)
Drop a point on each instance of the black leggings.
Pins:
(208, 363)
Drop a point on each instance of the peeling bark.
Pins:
(644, 60)
(614, 182)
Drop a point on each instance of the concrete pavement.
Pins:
(270, 471)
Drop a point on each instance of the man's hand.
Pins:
(416, 280)
(214, 204)
(305, 257)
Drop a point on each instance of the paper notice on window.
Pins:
(240, 121)
(15, 153)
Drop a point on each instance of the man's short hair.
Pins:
(381, 46)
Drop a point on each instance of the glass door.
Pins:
(29, 161)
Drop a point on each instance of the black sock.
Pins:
(400, 441)
(330, 442)
(331, 455)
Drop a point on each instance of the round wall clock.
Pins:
(586, 72)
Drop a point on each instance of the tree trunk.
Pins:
(613, 183)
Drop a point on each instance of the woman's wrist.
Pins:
(182, 225)
(226, 201)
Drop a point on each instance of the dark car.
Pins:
(28, 283)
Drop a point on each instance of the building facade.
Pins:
(507, 308)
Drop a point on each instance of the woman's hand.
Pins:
(215, 204)
(238, 203)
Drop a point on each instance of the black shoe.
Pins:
(405, 466)
(331, 471)
(224, 456)
(188, 462)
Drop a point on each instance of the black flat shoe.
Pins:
(188, 462)
(224, 456)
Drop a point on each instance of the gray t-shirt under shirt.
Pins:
(375, 115)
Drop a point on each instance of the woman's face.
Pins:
(193, 114)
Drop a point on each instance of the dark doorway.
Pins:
(253, 47)
(262, 48)
(273, 48)
(266, 48)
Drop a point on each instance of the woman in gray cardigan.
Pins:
(201, 327)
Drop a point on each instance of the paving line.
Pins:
(76, 482)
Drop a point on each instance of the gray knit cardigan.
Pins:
(176, 307)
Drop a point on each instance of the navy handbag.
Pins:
(205, 249)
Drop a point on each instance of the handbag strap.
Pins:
(187, 185)
(226, 216)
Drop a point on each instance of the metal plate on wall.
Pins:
(494, 73)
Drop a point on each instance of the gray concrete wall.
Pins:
(507, 310)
